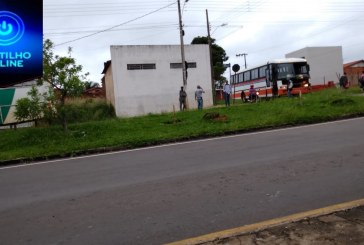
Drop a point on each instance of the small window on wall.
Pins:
(175, 65)
(192, 65)
(179, 65)
(141, 66)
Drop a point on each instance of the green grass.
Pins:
(46, 142)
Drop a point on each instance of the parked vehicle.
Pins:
(272, 78)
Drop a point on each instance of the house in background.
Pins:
(326, 63)
(353, 71)
(96, 92)
(143, 79)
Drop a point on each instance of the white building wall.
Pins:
(326, 63)
(139, 92)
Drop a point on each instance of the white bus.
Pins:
(271, 79)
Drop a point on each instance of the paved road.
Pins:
(163, 194)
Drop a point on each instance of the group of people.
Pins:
(199, 92)
(198, 97)
(344, 81)
(253, 95)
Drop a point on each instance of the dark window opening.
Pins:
(141, 66)
(179, 65)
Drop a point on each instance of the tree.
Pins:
(218, 57)
(30, 108)
(64, 75)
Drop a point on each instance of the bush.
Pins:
(84, 110)
(22, 112)
(29, 108)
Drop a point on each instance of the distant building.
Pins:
(354, 70)
(326, 63)
(143, 79)
(96, 92)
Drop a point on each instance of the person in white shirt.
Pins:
(227, 93)
(198, 97)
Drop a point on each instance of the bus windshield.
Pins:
(291, 69)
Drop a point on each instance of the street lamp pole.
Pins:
(244, 54)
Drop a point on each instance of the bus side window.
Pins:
(247, 76)
(268, 77)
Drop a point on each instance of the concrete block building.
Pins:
(326, 63)
(143, 79)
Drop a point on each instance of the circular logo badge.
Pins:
(11, 28)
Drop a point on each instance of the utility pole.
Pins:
(244, 54)
(211, 66)
(181, 33)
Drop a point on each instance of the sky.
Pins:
(262, 29)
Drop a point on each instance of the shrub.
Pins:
(29, 108)
(84, 110)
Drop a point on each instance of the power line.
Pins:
(99, 9)
(121, 29)
(108, 29)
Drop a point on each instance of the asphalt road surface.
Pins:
(167, 193)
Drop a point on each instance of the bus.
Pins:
(270, 80)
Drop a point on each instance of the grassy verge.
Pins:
(46, 142)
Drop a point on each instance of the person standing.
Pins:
(361, 81)
(289, 87)
(182, 99)
(227, 93)
(344, 81)
(198, 97)
(252, 93)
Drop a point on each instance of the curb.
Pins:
(269, 223)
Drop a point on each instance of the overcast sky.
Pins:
(264, 29)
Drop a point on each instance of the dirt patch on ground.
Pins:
(214, 116)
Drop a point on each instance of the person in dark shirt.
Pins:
(182, 99)
(344, 83)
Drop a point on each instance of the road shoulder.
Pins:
(340, 224)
